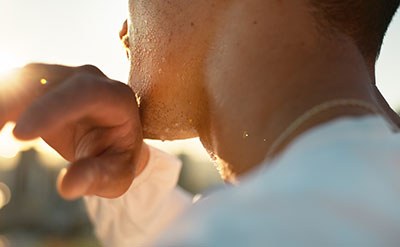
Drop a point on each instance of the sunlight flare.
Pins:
(9, 145)
(8, 62)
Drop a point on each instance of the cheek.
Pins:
(166, 57)
(151, 49)
(166, 83)
(166, 36)
(172, 104)
(168, 51)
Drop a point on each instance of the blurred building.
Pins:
(36, 211)
(37, 216)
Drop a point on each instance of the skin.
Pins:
(91, 120)
(252, 64)
(234, 73)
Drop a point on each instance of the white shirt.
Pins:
(336, 185)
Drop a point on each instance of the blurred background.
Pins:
(76, 32)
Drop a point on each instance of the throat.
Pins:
(285, 99)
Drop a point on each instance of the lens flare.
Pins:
(43, 81)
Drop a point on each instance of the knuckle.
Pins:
(91, 69)
(93, 87)
(88, 84)
(32, 68)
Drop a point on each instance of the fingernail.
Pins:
(23, 131)
(19, 130)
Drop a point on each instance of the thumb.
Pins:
(109, 176)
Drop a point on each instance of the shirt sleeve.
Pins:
(152, 202)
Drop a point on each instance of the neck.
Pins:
(252, 116)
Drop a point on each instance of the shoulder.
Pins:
(336, 183)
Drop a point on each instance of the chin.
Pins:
(158, 125)
(166, 133)
(169, 107)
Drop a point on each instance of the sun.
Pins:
(8, 61)
(9, 146)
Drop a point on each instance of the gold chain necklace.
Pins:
(314, 111)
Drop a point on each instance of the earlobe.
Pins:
(125, 42)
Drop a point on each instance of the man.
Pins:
(282, 95)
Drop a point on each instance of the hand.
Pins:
(92, 121)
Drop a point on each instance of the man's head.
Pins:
(172, 40)
(218, 69)
(365, 21)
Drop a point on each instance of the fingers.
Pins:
(66, 101)
(105, 102)
(2, 123)
(3, 118)
(54, 74)
(109, 175)
(21, 86)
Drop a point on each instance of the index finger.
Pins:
(54, 73)
(21, 86)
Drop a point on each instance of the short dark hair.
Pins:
(365, 21)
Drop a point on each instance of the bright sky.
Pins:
(77, 32)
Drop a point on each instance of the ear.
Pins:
(124, 37)
(124, 30)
